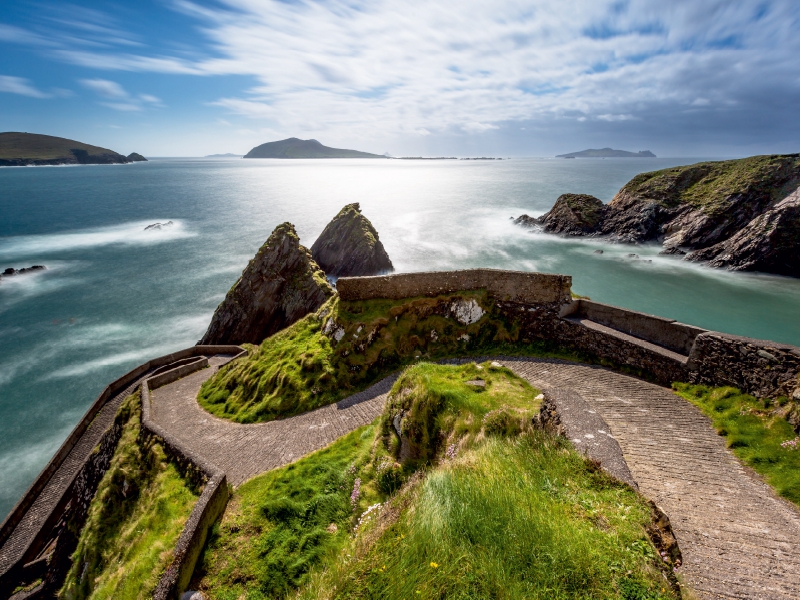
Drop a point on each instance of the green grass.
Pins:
(754, 431)
(302, 368)
(134, 520)
(525, 517)
(503, 510)
(708, 185)
(41, 147)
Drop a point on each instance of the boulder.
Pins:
(573, 214)
(279, 286)
(10, 271)
(349, 246)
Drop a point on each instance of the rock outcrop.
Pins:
(735, 214)
(10, 272)
(280, 285)
(136, 157)
(349, 246)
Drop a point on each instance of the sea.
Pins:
(116, 294)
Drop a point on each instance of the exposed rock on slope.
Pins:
(770, 242)
(349, 246)
(735, 214)
(280, 285)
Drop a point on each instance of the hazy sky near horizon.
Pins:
(501, 78)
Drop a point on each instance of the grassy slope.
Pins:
(134, 520)
(42, 147)
(754, 433)
(708, 185)
(301, 368)
(480, 505)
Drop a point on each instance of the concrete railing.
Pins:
(668, 333)
(510, 286)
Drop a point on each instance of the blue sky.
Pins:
(507, 77)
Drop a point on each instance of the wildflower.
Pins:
(791, 444)
(451, 452)
(434, 565)
(356, 493)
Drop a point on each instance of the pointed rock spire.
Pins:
(279, 286)
(349, 246)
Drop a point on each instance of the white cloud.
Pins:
(18, 85)
(612, 118)
(122, 106)
(104, 87)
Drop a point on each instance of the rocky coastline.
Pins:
(741, 215)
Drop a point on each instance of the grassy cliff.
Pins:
(488, 507)
(712, 186)
(32, 148)
(346, 346)
(134, 522)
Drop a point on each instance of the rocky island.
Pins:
(607, 153)
(742, 215)
(32, 149)
(297, 148)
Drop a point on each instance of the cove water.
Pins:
(115, 295)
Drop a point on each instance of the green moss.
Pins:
(134, 521)
(302, 368)
(587, 209)
(755, 432)
(712, 186)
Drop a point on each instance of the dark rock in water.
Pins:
(734, 214)
(136, 157)
(10, 271)
(632, 255)
(598, 252)
(159, 226)
(279, 286)
(770, 242)
(526, 221)
(573, 214)
(669, 250)
(349, 246)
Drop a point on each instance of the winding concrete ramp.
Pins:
(738, 539)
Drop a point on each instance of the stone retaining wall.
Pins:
(69, 512)
(209, 506)
(512, 286)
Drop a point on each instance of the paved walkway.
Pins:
(245, 450)
(737, 538)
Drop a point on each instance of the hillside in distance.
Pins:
(22, 149)
(607, 153)
(297, 148)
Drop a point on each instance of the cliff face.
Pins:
(349, 246)
(736, 214)
(280, 285)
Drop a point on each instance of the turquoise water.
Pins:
(115, 295)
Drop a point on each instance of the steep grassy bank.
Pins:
(346, 346)
(757, 433)
(482, 506)
(134, 522)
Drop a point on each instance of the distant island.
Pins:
(19, 149)
(297, 148)
(607, 153)
(226, 155)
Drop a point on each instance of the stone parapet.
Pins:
(510, 286)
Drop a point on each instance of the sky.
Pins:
(418, 77)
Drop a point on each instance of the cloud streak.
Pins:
(18, 85)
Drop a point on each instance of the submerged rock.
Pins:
(279, 286)
(10, 271)
(349, 246)
(159, 226)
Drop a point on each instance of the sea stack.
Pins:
(349, 246)
(279, 286)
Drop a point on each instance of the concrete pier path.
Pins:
(738, 539)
